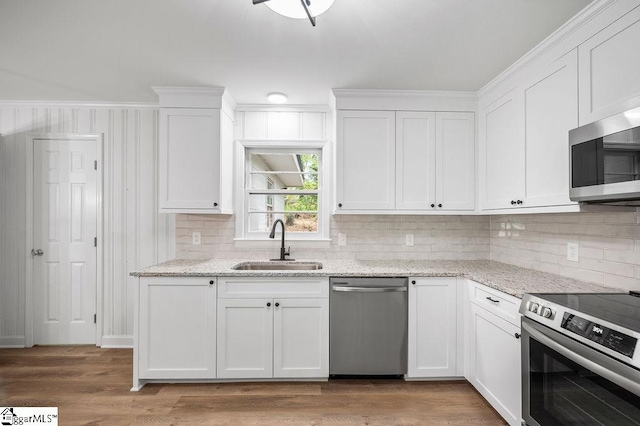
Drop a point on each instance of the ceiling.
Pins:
(115, 50)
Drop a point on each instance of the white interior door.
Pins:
(64, 227)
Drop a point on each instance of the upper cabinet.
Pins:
(405, 161)
(609, 67)
(195, 150)
(525, 139)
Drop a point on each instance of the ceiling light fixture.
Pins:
(298, 9)
(277, 98)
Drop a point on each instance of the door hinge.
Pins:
(95, 241)
(95, 165)
(95, 318)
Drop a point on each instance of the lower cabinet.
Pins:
(176, 328)
(284, 336)
(432, 335)
(494, 361)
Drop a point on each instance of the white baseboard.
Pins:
(12, 341)
(117, 342)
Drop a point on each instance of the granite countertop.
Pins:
(500, 276)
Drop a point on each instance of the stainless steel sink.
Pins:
(277, 266)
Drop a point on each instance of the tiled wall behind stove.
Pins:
(609, 245)
(375, 237)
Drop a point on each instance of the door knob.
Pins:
(37, 252)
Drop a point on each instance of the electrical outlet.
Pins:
(410, 240)
(196, 238)
(342, 239)
(573, 252)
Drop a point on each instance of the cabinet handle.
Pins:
(215, 204)
(492, 300)
(339, 204)
(519, 201)
(277, 304)
(268, 304)
(517, 335)
(413, 282)
(433, 205)
(211, 282)
(439, 205)
(513, 202)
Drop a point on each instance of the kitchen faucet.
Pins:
(283, 252)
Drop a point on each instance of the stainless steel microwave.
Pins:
(605, 160)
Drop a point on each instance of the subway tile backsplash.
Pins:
(609, 243)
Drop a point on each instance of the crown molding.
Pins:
(281, 108)
(570, 27)
(77, 104)
(405, 100)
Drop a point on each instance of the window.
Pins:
(283, 183)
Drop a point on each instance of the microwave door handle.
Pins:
(630, 385)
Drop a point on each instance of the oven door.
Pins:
(565, 382)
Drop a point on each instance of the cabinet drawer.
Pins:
(495, 301)
(252, 287)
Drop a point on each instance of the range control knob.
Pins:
(533, 307)
(546, 312)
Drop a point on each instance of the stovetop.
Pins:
(617, 308)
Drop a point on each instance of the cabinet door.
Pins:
(415, 161)
(495, 363)
(189, 160)
(432, 327)
(301, 338)
(177, 328)
(245, 338)
(504, 152)
(365, 160)
(609, 64)
(455, 161)
(547, 132)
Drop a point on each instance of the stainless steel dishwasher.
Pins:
(368, 326)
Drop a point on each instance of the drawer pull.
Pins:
(492, 300)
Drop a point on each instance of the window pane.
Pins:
(294, 222)
(284, 171)
(283, 203)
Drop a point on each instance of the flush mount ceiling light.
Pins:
(277, 98)
(298, 9)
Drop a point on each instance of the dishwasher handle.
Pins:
(368, 289)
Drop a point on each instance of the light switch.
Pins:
(342, 239)
(410, 240)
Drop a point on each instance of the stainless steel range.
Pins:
(581, 359)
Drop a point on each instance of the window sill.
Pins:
(275, 243)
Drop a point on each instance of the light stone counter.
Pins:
(506, 278)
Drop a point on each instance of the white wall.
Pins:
(135, 235)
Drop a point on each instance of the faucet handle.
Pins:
(288, 252)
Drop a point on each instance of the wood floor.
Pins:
(91, 387)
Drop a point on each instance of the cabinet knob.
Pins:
(268, 304)
(519, 201)
(211, 282)
(339, 204)
(413, 282)
(277, 304)
(215, 204)
(433, 205)
(513, 202)
(439, 205)
(517, 335)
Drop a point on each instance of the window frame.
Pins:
(242, 150)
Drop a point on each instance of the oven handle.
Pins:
(625, 383)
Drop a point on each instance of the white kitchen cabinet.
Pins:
(195, 151)
(282, 336)
(551, 110)
(432, 338)
(427, 165)
(366, 171)
(609, 64)
(503, 155)
(176, 328)
(492, 341)
(455, 161)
